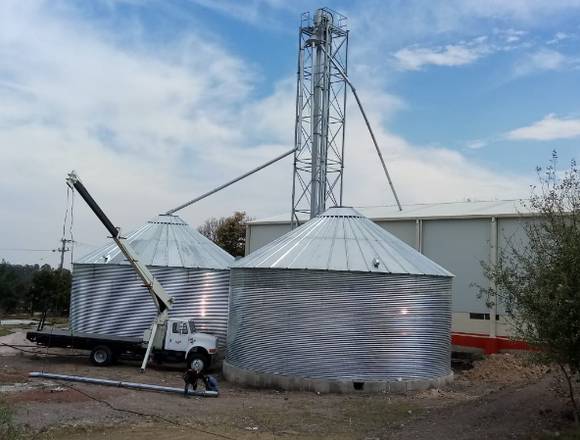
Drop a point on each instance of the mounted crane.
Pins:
(163, 302)
(179, 341)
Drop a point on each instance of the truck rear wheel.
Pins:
(198, 362)
(101, 356)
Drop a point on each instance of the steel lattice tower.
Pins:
(320, 114)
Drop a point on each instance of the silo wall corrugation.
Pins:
(339, 325)
(111, 299)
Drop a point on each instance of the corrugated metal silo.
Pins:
(107, 297)
(338, 299)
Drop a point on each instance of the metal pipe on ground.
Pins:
(121, 384)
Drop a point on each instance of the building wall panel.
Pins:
(261, 235)
(460, 246)
(403, 230)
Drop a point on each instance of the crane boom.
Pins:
(162, 300)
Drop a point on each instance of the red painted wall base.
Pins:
(489, 345)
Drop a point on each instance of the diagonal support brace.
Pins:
(360, 106)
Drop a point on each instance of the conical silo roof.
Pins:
(341, 239)
(165, 241)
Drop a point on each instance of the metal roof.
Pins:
(341, 239)
(165, 241)
(471, 209)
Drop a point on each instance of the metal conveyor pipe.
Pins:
(121, 384)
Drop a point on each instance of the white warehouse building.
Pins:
(457, 236)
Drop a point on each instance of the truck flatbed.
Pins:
(84, 341)
(107, 349)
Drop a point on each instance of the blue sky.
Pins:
(154, 102)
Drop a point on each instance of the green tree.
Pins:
(229, 233)
(540, 282)
(15, 281)
(9, 300)
(210, 227)
(50, 291)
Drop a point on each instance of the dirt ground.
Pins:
(502, 397)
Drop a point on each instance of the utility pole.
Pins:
(62, 251)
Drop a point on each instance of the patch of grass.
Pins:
(376, 414)
(58, 322)
(573, 434)
(5, 331)
(326, 417)
(8, 431)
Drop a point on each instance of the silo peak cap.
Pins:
(167, 219)
(341, 211)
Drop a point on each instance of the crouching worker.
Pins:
(190, 377)
(210, 383)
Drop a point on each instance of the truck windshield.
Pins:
(191, 326)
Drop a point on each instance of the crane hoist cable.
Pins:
(72, 219)
(66, 208)
(67, 236)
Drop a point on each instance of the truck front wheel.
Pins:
(101, 356)
(198, 362)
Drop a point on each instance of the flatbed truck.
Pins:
(176, 341)
(169, 339)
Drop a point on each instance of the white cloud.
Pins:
(510, 35)
(547, 60)
(419, 174)
(558, 36)
(548, 129)
(476, 144)
(398, 24)
(414, 58)
(461, 53)
(263, 13)
(149, 127)
(544, 60)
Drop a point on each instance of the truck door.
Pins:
(177, 335)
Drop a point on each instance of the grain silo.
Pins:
(107, 297)
(339, 304)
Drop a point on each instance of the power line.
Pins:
(28, 250)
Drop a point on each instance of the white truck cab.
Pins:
(182, 341)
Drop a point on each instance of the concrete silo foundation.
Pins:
(263, 380)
